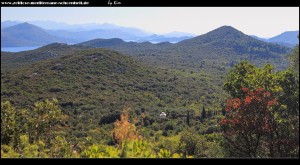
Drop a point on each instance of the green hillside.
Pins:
(11, 61)
(96, 84)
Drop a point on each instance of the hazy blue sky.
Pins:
(260, 21)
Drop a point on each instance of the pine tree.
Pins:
(188, 118)
(203, 114)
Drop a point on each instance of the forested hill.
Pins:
(95, 84)
(218, 49)
(227, 37)
(11, 61)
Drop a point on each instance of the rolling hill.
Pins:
(214, 51)
(93, 86)
(12, 61)
(226, 37)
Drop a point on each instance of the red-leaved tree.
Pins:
(249, 128)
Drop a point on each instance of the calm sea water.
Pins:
(18, 49)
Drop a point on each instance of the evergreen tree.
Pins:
(188, 118)
(203, 114)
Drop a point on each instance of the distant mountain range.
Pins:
(212, 52)
(51, 31)
(7, 24)
(224, 46)
(77, 33)
(288, 38)
(25, 34)
(83, 32)
(52, 25)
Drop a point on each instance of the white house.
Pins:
(163, 115)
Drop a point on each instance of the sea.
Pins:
(18, 49)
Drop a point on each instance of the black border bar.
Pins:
(150, 3)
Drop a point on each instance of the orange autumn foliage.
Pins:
(124, 130)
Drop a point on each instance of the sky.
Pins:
(264, 22)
